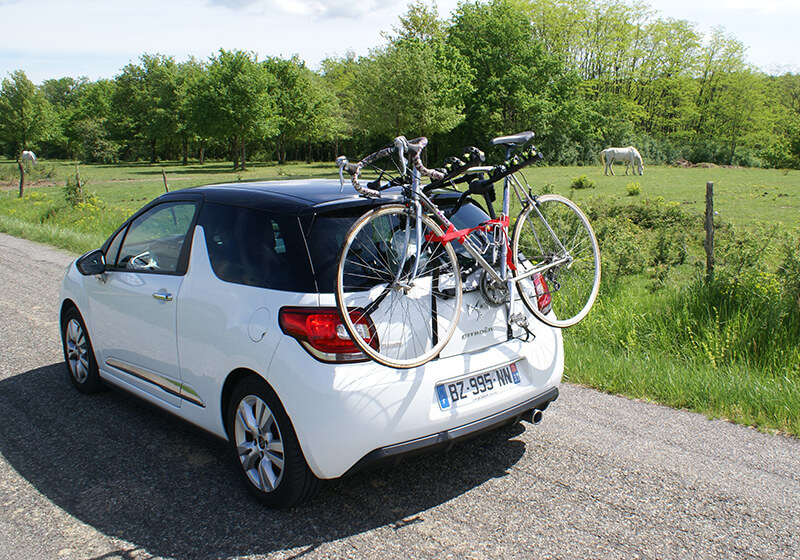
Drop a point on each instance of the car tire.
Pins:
(265, 447)
(79, 354)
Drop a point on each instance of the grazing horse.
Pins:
(629, 155)
(28, 157)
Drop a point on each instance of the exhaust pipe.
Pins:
(533, 416)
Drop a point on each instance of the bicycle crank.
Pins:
(495, 293)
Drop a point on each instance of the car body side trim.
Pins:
(181, 390)
(444, 440)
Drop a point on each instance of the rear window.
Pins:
(327, 233)
(256, 248)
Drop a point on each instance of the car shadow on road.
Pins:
(133, 472)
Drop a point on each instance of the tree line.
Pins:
(583, 74)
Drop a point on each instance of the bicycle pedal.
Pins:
(518, 319)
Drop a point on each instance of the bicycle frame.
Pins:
(419, 201)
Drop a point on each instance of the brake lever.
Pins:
(401, 145)
(341, 161)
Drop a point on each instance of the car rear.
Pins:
(350, 412)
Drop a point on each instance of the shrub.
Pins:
(634, 189)
(582, 182)
(75, 193)
(622, 247)
(547, 188)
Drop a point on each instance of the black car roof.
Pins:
(292, 196)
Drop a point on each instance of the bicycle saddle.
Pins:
(512, 140)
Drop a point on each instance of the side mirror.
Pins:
(92, 263)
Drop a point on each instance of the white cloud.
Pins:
(314, 9)
(764, 6)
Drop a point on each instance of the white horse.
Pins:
(29, 157)
(629, 155)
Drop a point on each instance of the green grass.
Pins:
(43, 215)
(741, 196)
(655, 347)
(658, 332)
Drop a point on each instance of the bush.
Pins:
(622, 248)
(76, 194)
(634, 189)
(547, 188)
(582, 182)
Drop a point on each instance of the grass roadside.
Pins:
(647, 345)
(632, 342)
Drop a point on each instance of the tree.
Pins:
(146, 102)
(338, 77)
(294, 100)
(88, 126)
(189, 73)
(63, 95)
(518, 85)
(784, 149)
(25, 118)
(416, 85)
(235, 92)
(306, 108)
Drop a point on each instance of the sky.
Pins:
(97, 38)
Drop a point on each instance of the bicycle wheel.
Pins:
(554, 238)
(398, 299)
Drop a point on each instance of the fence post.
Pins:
(78, 182)
(709, 242)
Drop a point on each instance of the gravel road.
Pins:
(106, 476)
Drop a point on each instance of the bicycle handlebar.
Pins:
(414, 148)
(453, 168)
(355, 168)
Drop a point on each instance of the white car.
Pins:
(217, 304)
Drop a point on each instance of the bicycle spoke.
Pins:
(381, 249)
(551, 232)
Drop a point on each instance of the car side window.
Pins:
(113, 248)
(155, 239)
(256, 248)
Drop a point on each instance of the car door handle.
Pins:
(163, 296)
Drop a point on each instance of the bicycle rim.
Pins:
(399, 302)
(571, 286)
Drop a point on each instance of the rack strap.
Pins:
(453, 234)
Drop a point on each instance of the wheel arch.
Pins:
(234, 378)
(66, 305)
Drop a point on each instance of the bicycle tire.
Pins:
(408, 321)
(572, 286)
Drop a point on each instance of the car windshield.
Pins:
(326, 236)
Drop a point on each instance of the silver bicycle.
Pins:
(399, 281)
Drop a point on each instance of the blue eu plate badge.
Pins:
(441, 392)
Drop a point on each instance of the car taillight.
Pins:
(543, 298)
(321, 332)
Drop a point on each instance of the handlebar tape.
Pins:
(354, 169)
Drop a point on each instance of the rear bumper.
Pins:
(442, 441)
(349, 414)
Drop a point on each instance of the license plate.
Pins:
(458, 392)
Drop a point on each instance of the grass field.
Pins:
(43, 215)
(742, 196)
(660, 331)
